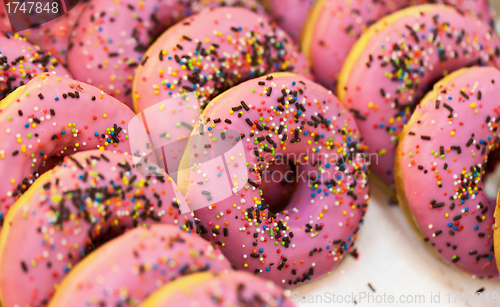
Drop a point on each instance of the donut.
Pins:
(129, 268)
(69, 211)
(21, 61)
(110, 38)
(278, 116)
(53, 116)
(335, 25)
(210, 52)
(440, 169)
(163, 76)
(407, 52)
(233, 288)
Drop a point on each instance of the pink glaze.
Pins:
(21, 61)
(224, 33)
(383, 107)
(233, 288)
(291, 15)
(320, 224)
(4, 19)
(126, 270)
(53, 36)
(111, 37)
(477, 8)
(90, 198)
(46, 121)
(462, 119)
(341, 22)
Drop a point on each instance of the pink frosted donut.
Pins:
(126, 270)
(20, 61)
(54, 116)
(90, 198)
(440, 168)
(406, 52)
(280, 116)
(234, 288)
(209, 52)
(111, 37)
(335, 25)
(194, 58)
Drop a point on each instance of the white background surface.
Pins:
(396, 264)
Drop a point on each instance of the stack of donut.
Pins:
(183, 153)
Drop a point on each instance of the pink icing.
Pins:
(320, 224)
(111, 37)
(49, 119)
(235, 55)
(477, 8)
(126, 270)
(90, 198)
(53, 36)
(4, 19)
(453, 137)
(382, 108)
(20, 61)
(229, 289)
(341, 22)
(291, 15)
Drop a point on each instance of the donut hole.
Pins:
(428, 87)
(49, 163)
(492, 175)
(278, 184)
(98, 240)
